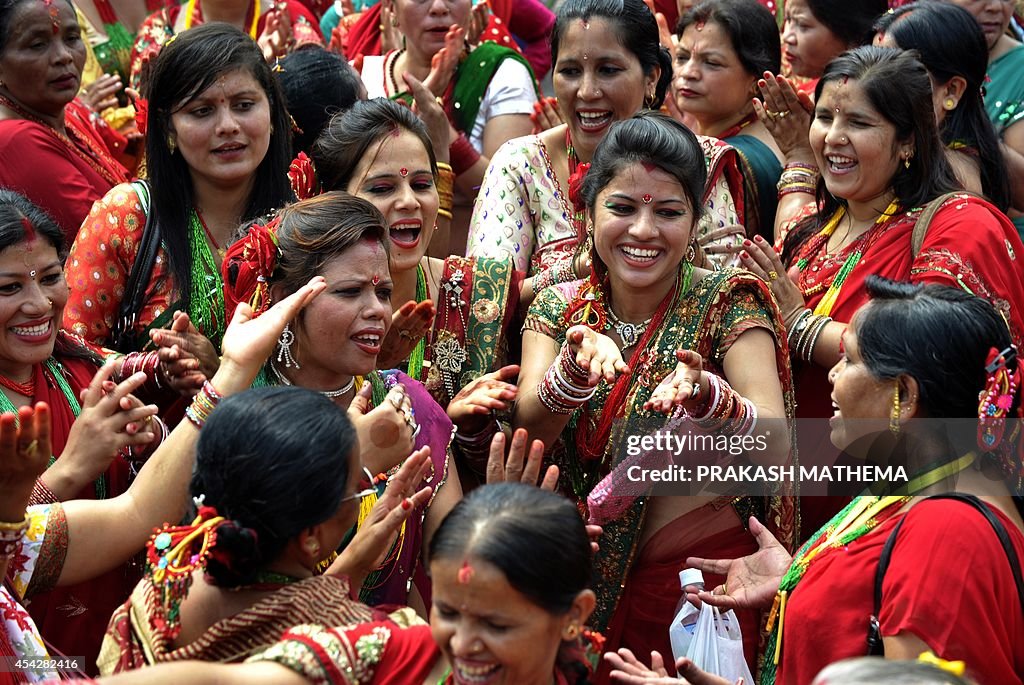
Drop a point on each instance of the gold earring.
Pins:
(906, 162)
(691, 253)
(572, 632)
(171, 144)
(894, 415)
(949, 104)
(649, 101)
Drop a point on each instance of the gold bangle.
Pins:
(20, 525)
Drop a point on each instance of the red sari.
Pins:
(969, 244)
(62, 173)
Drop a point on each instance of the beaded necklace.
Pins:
(419, 353)
(98, 161)
(206, 296)
(27, 389)
(592, 446)
(114, 55)
(820, 242)
(252, 15)
(859, 517)
(55, 372)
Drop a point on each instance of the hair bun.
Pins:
(235, 556)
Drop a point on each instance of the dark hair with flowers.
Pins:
(295, 245)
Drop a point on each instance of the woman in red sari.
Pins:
(48, 153)
(93, 434)
(874, 139)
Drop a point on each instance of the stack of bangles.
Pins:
(565, 386)
(203, 404)
(445, 190)
(562, 272)
(147, 362)
(804, 329)
(462, 154)
(798, 177)
(476, 447)
(726, 411)
(10, 537)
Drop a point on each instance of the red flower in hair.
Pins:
(142, 115)
(248, 266)
(576, 185)
(302, 176)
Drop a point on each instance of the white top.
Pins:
(510, 92)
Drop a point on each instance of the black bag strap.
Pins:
(121, 337)
(875, 647)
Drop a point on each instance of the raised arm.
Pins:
(103, 534)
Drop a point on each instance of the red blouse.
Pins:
(948, 583)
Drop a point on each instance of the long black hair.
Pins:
(949, 42)
(636, 28)
(273, 462)
(899, 89)
(186, 67)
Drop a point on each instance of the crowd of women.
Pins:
(328, 339)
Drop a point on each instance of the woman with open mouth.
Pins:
(332, 348)
(650, 333)
(609, 65)
(452, 315)
(217, 151)
(906, 391)
(101, 431)
(890, 207)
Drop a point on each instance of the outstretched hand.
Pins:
(751, 581)
(626, 668)
(681, 388)
(596, 354)
(472, 406)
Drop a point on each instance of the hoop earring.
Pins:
(649, 101)
(285, 342)
(894, 415)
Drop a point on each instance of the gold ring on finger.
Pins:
(772, 275)
(783, 114)
(772, 115)
(31, 448)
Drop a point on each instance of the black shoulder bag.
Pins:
(875, 646)
(122, 338)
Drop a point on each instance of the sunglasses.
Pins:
(363, 493)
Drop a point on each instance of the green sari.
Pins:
(708, 318)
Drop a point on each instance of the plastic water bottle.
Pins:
(680, 633)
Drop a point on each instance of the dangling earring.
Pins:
(285, 343)
(649, 101)
(691, 252)
(894, 415)
(906, 162)
(171, 144)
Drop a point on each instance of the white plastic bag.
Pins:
(717, 645)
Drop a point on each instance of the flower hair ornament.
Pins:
(173, 554)
(248, 265)
(302, 177)
(996, 400)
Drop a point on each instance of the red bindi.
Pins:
(466, 573)
(403, 172)
(647, 198)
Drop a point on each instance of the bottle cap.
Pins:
(690, 576)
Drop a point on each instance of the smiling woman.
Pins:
(48, 152)
(218, 151)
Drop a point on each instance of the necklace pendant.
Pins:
(629, 333)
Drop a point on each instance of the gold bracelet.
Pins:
(20, 525)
